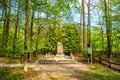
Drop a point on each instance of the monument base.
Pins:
(60, 56)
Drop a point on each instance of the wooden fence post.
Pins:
(109, 63)
(99, 59)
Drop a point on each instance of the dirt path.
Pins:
(55, 71)
(60, 71)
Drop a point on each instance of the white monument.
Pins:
(60, 53)
(59, 48)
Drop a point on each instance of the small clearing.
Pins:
(60, 71)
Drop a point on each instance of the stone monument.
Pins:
(60, 54)
(59, 48)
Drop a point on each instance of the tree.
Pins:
(31, 33)
(6, 22)
(16, 27)
(89, 23)
(108, 29)
(70, 38)
(38, 32)
(26, 24)
(26, 33)
(4, 25)
(84, 28)
(80, 30)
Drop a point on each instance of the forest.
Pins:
(36, 26)
(29, 28)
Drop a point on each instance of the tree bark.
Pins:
(4, 25)
(26, 25)
(89, 24)
(108, 30)
(80, 31)
(26, 33)
(37, 38)
(47, 27)
(16, 27)
(6, 22)
(102, 33)
(31, 31)
(84, 28)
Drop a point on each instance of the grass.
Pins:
(9, 60)
(15, 74)
(11, 74)
(99, 72)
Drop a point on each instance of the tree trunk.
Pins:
(84, 28)
(80, 31)
(8, 21)
(47, 28)
(37, 38)
(31, 31)
(16, 28)
(89, 24)
(26, 25)
(4, 25)
(108, 30)
(102, 33)
(47, 25)
(26, 33)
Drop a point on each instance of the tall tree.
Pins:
(38, 32)
(84, 28)
(26, 26)
(89, 23)
(26, 33)
(4, 25)
(80, 30)
(47, 22)
(6, 21)
(16, 27)
(108, 29)
(31, 33)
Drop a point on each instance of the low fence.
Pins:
(109, 63)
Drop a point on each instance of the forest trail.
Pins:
(55, 71)
(61, 71)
